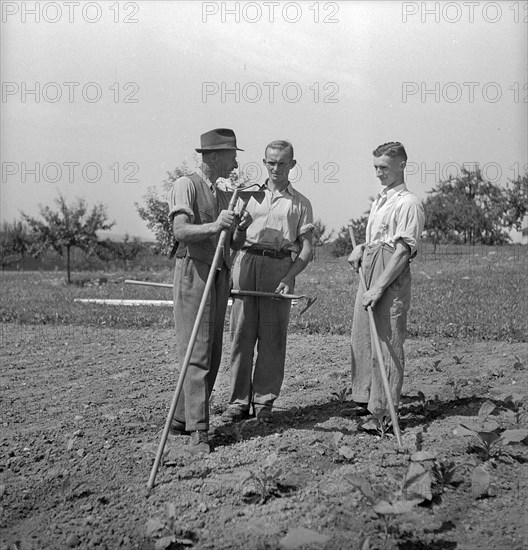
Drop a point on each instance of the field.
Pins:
(85, 391)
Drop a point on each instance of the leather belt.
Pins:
(268, 252)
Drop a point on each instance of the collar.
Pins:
(289, 188)
(206, 179)
(391, 192)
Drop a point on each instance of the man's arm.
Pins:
(396, 264)
(187, 232)
(300, 263)
(242, 222)
(356, 256)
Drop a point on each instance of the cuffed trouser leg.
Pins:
(190, 277)
(258, 319)
(390, 314)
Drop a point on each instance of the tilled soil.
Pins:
(82, 415)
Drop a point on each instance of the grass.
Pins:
(462, 295)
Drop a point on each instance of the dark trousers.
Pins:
(190, 277)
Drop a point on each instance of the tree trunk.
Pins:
(68, 278)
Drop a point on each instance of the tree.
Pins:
(468, 209)
(15, 243)
(155, 210)
(343, 244)
(124, 251)
(517, 200)
(72, 225)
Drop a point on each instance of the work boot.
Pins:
(264, 414)
(234, 414)
(199, 443)
(177, 427)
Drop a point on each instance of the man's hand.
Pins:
(285, 286)
(355, 258)
(225, 220)
(243, 220)
(372, 297)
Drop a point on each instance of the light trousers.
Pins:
(390, 314)
(260, 322)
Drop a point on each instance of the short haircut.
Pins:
(393, 149)
(280, 145)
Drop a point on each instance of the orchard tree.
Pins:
(69, 226)
(342, 246)
(125, 251)
(15, 243)
(469, 209)
(517, 202)
(155, 210)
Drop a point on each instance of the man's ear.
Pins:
(403, 164)
(293, 163)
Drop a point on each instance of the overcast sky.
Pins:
(123, 90)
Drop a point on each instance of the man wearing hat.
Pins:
(198, 213)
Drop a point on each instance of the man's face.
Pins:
(389, 170)
(279, 163)
(226, 162)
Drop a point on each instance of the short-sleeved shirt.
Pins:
(278, 219)
(396, 214)
(182, 196)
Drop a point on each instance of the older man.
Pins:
(395, 224)
(282, 225)
(198, 212)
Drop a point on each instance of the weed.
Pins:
(163, 530)
(342, 394)
(265, 480)
(436, 366)
(458, 360)
(456, 386)
(443, 472)
(427, 406)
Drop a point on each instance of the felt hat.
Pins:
(218, 139)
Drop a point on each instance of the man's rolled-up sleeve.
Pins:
(181, 198)
(306, 221)
(411, 220)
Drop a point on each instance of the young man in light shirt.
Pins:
(394, 227)
(282, 224)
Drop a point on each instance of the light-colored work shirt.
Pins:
(182, 195)
(279, 219)
(396, 214)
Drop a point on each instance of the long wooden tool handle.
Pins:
(216, 264)
(379, 353)
(234, 291)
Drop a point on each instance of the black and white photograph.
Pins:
(264, 273)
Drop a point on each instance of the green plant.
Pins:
(515, 404)
(458, 360)
(379, 422)
(443, 473)
(165, 533)
(265, 481)
(427, 406)
(414, 488)
(490, 440)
